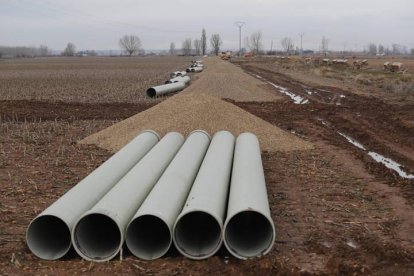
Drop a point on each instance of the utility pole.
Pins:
(239, 24)
(301, 47)
(271, 48)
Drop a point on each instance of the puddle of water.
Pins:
(296, 98)
(352, 141)
(387, 162)
(391, 164)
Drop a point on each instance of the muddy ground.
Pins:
(336, 211)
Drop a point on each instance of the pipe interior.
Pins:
(97, 236)
(148, 237)
(248, 234)
(197, 234)
(48, 237)
(151, 92)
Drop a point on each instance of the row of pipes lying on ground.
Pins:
(195, 193)
(177, 82)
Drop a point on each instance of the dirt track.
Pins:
(336, 211)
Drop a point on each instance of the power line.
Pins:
(91, 17)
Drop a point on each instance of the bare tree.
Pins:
(203, 42)
(69, 50)
(172, 48)
(186, 47)
(197, 46)
(324, 45)
(215, 41)
(396, 49)
(372, 49)
(381, 49)
(130, 44)
(43, 51)
(412, 51)
(256, 42)
(91, 53)
(287, 45)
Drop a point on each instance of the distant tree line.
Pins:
(132, 45)
(198, 46)
(396, 49)
(21, 51)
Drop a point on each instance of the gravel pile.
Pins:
(225, 80)
(186, 112)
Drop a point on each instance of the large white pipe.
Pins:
(198, 228)
(197, 65)
(165, 89)
(149, 234)
(98, 235)
(174, 74)
(196, 69)
(249, 230)
(177, 74)
(48, 235)
(184, 79)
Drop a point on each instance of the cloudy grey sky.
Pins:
(98, 24)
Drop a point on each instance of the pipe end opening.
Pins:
(151, 92)
(148, 237)
(249, 234)
(48, 237)
(97, 237)
(197, 235)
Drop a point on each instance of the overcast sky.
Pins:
(98, 24)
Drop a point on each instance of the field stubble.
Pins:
(85, 79)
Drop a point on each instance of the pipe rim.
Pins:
(47, 236)
(161, 251)
(85, 255)
(151, 131)
(264, 250)
(219, 238)
(151, 92)
(201, 131)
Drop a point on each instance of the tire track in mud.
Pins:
(379, 126)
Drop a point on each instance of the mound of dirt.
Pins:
(225, 80)
(187, 112)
